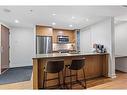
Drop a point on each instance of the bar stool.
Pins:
(53, 66)
(76, 64)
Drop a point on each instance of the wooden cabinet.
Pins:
(44, 31)
(49, 31)
(69, 33)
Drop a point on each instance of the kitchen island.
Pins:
(96, 66)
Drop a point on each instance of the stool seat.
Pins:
(76, 64)
(53, 66)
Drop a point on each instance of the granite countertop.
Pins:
(120, 56)
(58, 55)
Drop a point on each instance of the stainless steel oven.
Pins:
(63, 39)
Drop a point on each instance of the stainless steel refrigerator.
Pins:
(43, 44)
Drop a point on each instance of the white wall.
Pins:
(22, 46)
(85, 40)
(121, 64)
(100, 33)
(121, 47)
(0, 48)
(121, 39)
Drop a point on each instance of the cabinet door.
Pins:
(69, 33)
(44, 31)
(5, 48)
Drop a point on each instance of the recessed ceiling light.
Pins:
(16, 21)
(53, 23)
(70, 25)
(87, 19)
(72, 17)
(54, 14)
(115, 21)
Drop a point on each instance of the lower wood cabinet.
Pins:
(95, 66)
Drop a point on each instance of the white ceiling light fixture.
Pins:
(72, 17)
(54, 14)
(70, 25)
(87, 19)
(53, 23)
(16, 21)
(115, 22)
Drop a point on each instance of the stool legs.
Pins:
(76, 75)
(64, 78)
(58, 79)
(45, 79)
(84, 77)
(70, 79)
(76, 78)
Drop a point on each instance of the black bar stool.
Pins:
(53, 66)
(76, 64)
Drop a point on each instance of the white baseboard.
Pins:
(114, 76)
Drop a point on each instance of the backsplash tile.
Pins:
(70, 46)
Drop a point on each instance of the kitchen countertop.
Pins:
(120, 56)
(53, 55)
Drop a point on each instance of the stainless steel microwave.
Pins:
(62, 39)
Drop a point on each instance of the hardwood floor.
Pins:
(99, 83)
(117, 83)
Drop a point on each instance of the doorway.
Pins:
(4, 48)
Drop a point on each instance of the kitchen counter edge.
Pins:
(59, 55)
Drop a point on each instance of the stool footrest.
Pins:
(77, 81)
(69, 76)
(51, 79)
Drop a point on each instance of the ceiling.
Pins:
(75, 16)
